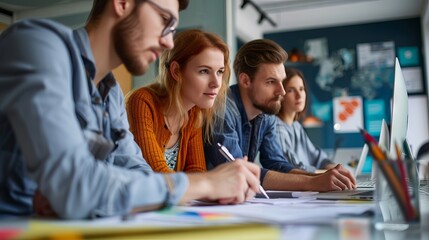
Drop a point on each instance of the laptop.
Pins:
(367, 179)
(363, 191)
(358, 194)
(357, 161)
(348, 157)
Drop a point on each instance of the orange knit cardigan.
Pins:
(151, 134)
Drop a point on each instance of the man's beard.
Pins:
(271, 108)
(126, 37)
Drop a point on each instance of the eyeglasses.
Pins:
(169, 21)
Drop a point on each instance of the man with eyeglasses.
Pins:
(65, 147)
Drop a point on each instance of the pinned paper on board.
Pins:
(376, 54)
(375, 112)
(348, 114)
(413, 79)
(408, 56)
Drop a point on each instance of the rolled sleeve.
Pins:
(171, 195)
(138, 190)
(128, 154)
(271, 155)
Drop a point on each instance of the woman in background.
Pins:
(167, 117)
(297, 146)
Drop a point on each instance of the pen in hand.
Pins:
(224, 151)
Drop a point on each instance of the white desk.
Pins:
(321, 226)
(361, 230)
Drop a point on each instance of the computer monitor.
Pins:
(399, 123)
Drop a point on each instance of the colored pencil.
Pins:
(400, 163)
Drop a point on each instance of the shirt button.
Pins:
(106, 114)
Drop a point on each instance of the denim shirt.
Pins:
(245, 138)
(55, 125)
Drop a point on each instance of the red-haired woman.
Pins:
(167, 117)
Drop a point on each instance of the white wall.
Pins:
(354, 12)
(418, 129)
(425, 35)
(246, 22)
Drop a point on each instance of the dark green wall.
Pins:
(403, 33)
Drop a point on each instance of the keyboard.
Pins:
(365, 181)
(370, 183)
(424, 188)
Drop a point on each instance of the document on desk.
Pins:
(171, 223)
(298, 213)
(182, 217)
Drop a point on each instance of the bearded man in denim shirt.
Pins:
(248, 125)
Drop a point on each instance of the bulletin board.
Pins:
(355, 61)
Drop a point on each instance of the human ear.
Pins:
(244, 80)
(122, 7)
(175, 71)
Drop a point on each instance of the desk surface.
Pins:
(218, 225)
(361, 228)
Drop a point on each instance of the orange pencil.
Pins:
(376, 152)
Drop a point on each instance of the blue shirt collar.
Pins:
(234, 94)
(82, 39)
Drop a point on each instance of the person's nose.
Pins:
(167, 41)
(281, 90)
(215, 81)
(298, 94)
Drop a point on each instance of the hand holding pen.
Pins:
(224, 151)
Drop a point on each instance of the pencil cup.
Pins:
(396, 196)
(423, 166)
